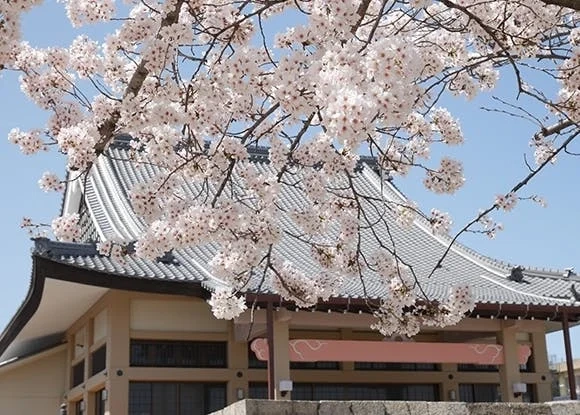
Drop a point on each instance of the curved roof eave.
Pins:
(25, 311)
(44, 269)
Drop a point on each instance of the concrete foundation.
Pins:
(264, 407)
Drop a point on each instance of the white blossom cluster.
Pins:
(403, 312)
(440, 222)
(66, 228)
(112, 249)
(408, 320)
(226, 305)
(198, 84)
(447, 126)
(29, 143)
(50, 182)
(506, 202)
(447, 179)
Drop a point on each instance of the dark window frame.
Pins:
(100, 402)
(180, 392)
(99, 360)
(179, 354)
(397, 367)
(323, 365)
(80, 407)
(78, 373)
(469, 367)
(475, 392)
(366, 391)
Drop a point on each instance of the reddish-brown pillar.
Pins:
(569, 359)
(271, 371)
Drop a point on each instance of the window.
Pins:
(78, 373)
(100, 398)
(152, 353)
(426, 367)
(530, 394)
(479, 392)
(79, 407)
(170, 398)
(315, 365)
(465, 367)
(258, 390)
(98, 360)
(353, 391)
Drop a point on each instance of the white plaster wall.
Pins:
(36, 387)
(172, 315)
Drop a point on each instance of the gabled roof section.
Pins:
(106, 196)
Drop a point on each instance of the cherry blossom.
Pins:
(51, 182)
(506, 202)
(225, 305)
(271, 129)
(66, 228)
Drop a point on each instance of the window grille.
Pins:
(173, 398)
(153, 353)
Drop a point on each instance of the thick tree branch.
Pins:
(554, 129)
(107, 129)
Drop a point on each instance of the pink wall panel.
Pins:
(302, 350)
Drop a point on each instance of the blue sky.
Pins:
(493, 155)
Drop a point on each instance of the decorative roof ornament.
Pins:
(516, 274)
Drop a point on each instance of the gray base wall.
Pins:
(265, 407)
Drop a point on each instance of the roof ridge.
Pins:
(256, 152)
(48, 247)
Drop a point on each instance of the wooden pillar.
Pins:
(449, 385)
(282, 356)
(271, 354)
(346, 334)
(569, 358)
(89, 338)
(541, 366)
(118, 349)
(238, 361)
(70, 352)
(509, 372)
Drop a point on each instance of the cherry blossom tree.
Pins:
(197, 83)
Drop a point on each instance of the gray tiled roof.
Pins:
(106, 195)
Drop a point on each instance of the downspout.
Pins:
(569, 359)
(271, 372)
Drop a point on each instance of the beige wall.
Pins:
(34, 386)
(119, 316)
(174, 315)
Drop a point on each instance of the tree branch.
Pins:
(107, 129)
(514, 189)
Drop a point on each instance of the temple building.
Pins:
(97, 336)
